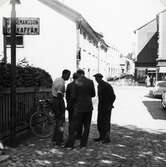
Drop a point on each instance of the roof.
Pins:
(150, 21)
(63, 9)
(144, 25)
(74, 16)
(161, 12)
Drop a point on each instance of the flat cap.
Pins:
(98, 75)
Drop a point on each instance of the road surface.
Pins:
(134, 107)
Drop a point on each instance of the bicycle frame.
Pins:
(43, 119)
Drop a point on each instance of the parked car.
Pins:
(163, 100)
(159, 88)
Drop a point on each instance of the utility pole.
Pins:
(13, 73)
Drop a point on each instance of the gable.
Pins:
(144, 34)
(149, 54)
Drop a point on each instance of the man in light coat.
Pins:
(58, 90)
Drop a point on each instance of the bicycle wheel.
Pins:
(41, 124)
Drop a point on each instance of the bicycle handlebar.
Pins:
(44, 100)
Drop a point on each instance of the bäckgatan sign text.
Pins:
(24, 26)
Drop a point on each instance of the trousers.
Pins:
(104, 124)
(80, 119)
(59, 110)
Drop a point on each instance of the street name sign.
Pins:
(24, 26)
(19, 41)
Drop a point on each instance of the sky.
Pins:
(117, 19)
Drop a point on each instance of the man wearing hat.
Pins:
(106, 99)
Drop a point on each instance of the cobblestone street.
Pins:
(129, 147)
(138, 138)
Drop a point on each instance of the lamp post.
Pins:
(13, 73)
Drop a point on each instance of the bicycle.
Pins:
(42, 121)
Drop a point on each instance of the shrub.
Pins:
(27, 76)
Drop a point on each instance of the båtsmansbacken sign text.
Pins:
(24, 26)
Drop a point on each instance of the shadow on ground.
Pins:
(129, 147)
(155, 109)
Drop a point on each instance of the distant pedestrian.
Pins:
(151, 80)
(106, 97)
(70, 105)
(58, 90)
(147, 81)
(82, 94)
(154, 81)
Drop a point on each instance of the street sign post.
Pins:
(13, 75)
(24, 26)
(21, 26)
(19, 41)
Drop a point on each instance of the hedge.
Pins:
(27, 76)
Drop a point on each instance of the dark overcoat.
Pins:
(68, 96)
(82, 94)
(106, 96)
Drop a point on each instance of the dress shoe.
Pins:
(78, 137)
(82, 146)
(67, 145)
(106, 141)
(97, 139)
(59, 144)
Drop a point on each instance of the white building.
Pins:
(146, 50)
(161, 18)
(66, 40)
(114, 59)
(151, 48)
(144, 34)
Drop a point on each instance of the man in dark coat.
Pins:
(106, 99)
(82, 94)
(70, 105)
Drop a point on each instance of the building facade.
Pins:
(161, 60)
(151, 49)
(114, 57)
(146, 50)
(66, 39)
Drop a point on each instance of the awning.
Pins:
(162, 69)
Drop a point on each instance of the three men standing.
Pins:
(79, 104)
(106, 97)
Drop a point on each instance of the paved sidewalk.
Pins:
(129, 147)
